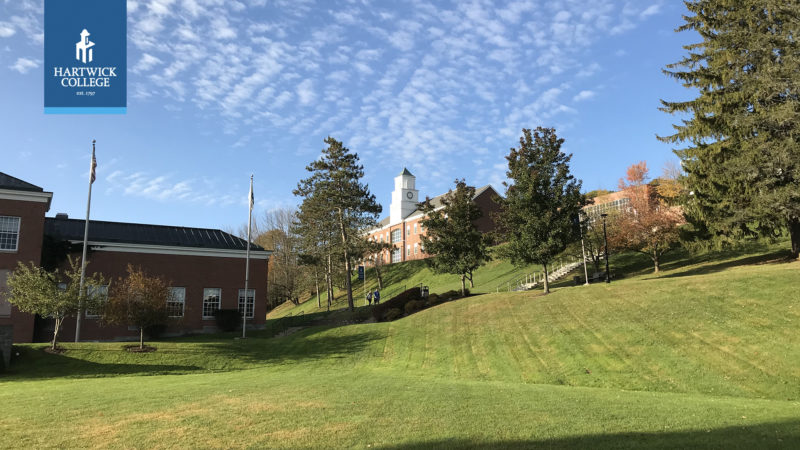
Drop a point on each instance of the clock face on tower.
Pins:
(410, 195)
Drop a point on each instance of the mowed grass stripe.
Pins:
(265, 408)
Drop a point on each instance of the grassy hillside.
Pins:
(704, 354)
(495, 275)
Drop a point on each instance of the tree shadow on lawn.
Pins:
(213, 355)
(35, 363)
(703, 268)
(768, 435)
(300, 347)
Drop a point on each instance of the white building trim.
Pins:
(173, 250)
(26, 196)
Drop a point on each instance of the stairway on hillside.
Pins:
(556, 275)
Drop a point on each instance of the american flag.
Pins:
(94, 166)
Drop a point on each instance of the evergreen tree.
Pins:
(334, 192)
(542, 200)
(742, 158)
(451, 236)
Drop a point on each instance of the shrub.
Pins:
(414, 306)
(227, 319)
(399, 301)
(433, 299)
(392, 314)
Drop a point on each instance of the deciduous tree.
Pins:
(138, 300)
(649, 225)
(542, 200)
(451, 237)
(55, 294)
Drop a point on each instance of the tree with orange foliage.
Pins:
(650, 225)
(138, 300)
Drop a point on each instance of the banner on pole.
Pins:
(360, 272)
(85, 56)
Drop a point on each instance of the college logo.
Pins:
(78, 80)
(84, 47)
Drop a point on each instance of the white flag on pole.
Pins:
(251, 199)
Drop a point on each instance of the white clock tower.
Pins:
(404, 197)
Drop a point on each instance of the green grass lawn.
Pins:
(707, 353)
(496, 275)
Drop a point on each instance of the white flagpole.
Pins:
(85, 242)
(247, 263)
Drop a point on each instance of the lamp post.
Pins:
(605, 243)
(583, 253)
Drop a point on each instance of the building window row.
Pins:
(176, 303)
(622, 204)
(9, 233)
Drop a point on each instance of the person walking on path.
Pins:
(369, 298)
(377, 296)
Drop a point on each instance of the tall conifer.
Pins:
(335, 198)
(742, 131)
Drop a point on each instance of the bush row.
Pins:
(410, 301)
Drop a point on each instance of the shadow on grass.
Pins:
(98, 360)
(35, 363)
(769, 435)
(776, 257)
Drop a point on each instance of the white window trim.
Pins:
(203, 304)
(253, 314)
(182, 302)
(86, 312)
(16, 243)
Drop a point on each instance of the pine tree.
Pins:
(742, 157)
(451, 237)
(542, 200)
(336, 197)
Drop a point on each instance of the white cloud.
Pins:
(650, 10)
(305, 92)
(147, 62)
(583, 95)
(6, 30)
(24, 65)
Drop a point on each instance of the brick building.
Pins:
(205, 267)
(22, 209)
(403, 227)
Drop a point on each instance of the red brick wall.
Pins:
(485, 201)
(192, 272)
(31, 229)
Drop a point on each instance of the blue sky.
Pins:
(220, 89)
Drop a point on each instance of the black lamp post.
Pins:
(605, 242)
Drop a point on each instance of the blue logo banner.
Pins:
(85, 57)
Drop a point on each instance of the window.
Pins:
(396, 237)
(396, 255)
(211, 301)
(387, 236)
(5, 307)
(415, 228)
(408, 250)
(9, 233)
(97, 295)
(408, 230)
(251, 301)
(176, 301)
(416, 249)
